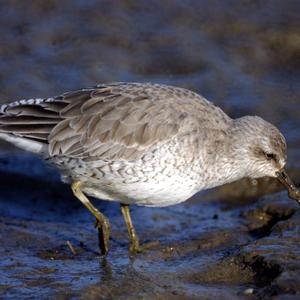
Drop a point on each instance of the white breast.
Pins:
(162, 192)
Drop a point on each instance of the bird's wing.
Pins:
(106, 122)
(116, 121)
(111, 124)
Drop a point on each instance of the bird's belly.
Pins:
(160, 178)
(163, 192)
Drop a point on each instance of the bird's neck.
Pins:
(223, 169)
(226, 157)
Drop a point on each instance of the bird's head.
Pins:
(265, 151)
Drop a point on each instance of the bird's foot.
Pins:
(135, 247)
(103, 226)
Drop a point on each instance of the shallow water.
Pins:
(231, 242)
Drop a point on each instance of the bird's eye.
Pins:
(270, 156)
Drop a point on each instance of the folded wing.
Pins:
(106, 122)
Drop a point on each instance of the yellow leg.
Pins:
(134, 241)
(102, 222)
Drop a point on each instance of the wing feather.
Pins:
(124, 125)
(116, 121)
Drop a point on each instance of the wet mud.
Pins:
(239, 241)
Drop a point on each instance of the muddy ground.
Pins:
(240, 241)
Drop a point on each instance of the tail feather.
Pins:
(25, 129)
(13, 120)
(30, 121)
(30, 110)
(29, 124)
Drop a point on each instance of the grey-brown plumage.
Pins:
(117, 121)
(147, 144)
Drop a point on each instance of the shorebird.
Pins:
(144, 144)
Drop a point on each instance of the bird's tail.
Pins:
(28, 123)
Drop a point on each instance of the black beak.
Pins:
(283, 177)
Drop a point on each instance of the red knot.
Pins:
(144, 144)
